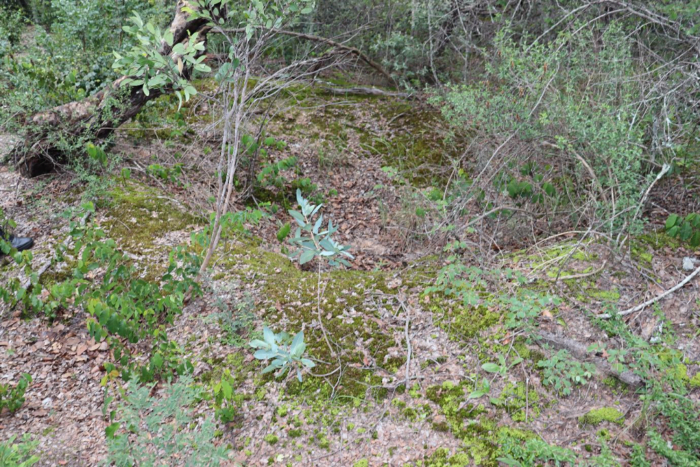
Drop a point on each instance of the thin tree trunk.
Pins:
(55, 135)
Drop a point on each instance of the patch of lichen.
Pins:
(139, 217)
(604, 414)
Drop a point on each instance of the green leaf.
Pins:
(298, 217)
(307, 256)
(264, 354)
(298, 345)
(307, 363)
(269, 336)
(157, 361)
(671, 221)
(695, 239)
(686, 232)
(283, 232)
(111, 430)
(227, 389)
(491, 367)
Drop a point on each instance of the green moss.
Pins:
(519, 402)
(656, 240)
(140, 216)
(462, 322)
(323, 442)
(605, 414)
(295, 433)
(271, 439)
(695, 381)
(680, 373)
(398, 403)
(291, 294)
(361, 463)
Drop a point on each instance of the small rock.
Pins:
(689, 263)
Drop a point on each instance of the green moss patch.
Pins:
(605, 414)
(140, 216)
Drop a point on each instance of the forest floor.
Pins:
(400, 361)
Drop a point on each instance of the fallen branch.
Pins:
(580, 352)
(352, 50)
(655, 299)
(582, 275)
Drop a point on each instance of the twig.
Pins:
(582, 275)
(655, 299)
(408, 344)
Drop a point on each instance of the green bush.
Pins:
(686, 228)
(575, 97)
(149, 430)
(12, 398)
(18, 454)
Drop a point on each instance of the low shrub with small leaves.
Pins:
(686, 228)
(12, 398)
(563, 372)
(149, 430)
(18, 454)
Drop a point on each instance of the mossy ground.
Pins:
(140, 216)
(360, 315)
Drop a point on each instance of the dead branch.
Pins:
(352, 50)
(580, 352)
(656, 299)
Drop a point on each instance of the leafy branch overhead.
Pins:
(146, 65)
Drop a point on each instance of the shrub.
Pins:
(18, 454)
(163, 430)
(13, 398)
(577, 99)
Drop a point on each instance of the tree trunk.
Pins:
(56, 134)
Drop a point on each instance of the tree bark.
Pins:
(96, 117)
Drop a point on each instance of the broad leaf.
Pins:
(491, 367)
(269, 336)
(298, 345)
(307, 256)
